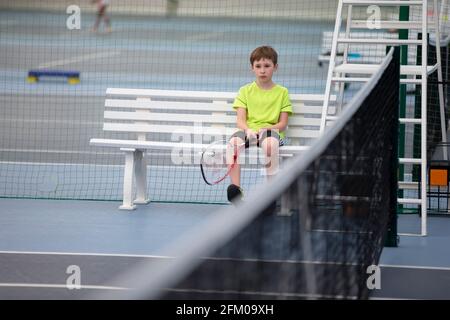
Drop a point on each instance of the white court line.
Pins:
(47, 121)
(63, 164)
(266, 293)
(75, 152)
(54, 151)
(58, 286)
(341, 231)
(211, 258)
(193, 166)
(167, 257)
(91, 56)
(415, 267)
(204, 36)
(389, 298)
(318, 262)
(84, 254)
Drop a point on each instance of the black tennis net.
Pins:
(327, 227)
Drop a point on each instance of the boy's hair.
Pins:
(264, 52)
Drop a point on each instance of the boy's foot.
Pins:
(234, 193)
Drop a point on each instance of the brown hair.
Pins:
(264, 52)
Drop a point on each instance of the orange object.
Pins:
(439, 177)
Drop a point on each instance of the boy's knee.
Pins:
(270, 146)
(236, 141)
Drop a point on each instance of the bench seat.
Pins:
(137, 120)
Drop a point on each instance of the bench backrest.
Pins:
(170, 114)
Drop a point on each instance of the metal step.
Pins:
(354, 79)
(360, 68)
(410, 120)
(331, 118)
(383, 3)
(356, 68)
(386, 24)
(409, 201)
(349, 79)
(416, 70)
(410, 185)
(380, 41)
(410, 81)
(410, 160)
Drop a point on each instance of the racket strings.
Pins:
(215, 163)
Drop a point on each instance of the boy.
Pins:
(262, 108)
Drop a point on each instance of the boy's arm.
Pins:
(282, 122)
(242, 122)
(241, 118)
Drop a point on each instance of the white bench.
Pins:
(186, 120)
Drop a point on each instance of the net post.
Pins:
(391, 239)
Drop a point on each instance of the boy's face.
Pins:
(264, 69)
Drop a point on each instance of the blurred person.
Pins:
(102, 6)
(172, 8)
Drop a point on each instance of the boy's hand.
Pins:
(251, 135)
(262, 131)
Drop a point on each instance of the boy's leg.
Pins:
(270, 143)
(234, 191)
(236, 140)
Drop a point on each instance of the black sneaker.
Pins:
(234, 193)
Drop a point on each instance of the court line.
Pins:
(210, 258)
(54, 151)
(204, 36)
(91, 56)
(390, 298)
(265, 293)
(57, 121)
(193, 166)
(124, 255)
(59, 286)
(415, 267)
(341, 231)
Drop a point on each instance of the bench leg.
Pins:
(128, 181)
(285, 205)
(285, 201)
(140, 174)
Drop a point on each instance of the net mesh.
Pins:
(175, 45)
(185, 45)
(321, 241)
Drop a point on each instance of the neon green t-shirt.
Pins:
(263, 106)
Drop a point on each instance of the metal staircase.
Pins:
(339, 74)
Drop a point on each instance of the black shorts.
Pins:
(266, 134)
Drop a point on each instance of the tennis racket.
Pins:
(213, 163)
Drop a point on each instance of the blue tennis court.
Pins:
(59, 196)
(39, 245)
